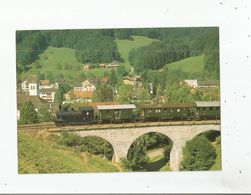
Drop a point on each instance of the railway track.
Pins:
(38, 126)
(51, 127)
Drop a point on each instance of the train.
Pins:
(121, 113)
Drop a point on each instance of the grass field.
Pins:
(217, 164)
(157, 160)
(61, 61)
(190, 65)
(37, 155)
(124, 46)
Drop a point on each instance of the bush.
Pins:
(92, 144)
(198, 154)
(70, 139)
(218, 140)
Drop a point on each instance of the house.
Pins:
(78, 86)
(41, 88)
(84, 86)
(47, 94)
(104, 79)
(191, 83)
(33, 88)
(25, 86)
(112, 66)
(102, 65)
(130, 80)
(87, 66)
(78, 96)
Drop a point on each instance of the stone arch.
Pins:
(145, 133)
(105, 139)
(210, 134)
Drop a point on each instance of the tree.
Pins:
(50, 76)
(113, 79)
(142, 94)
(59, 95)
(198, 154)
(44, 114)
(137, 158)
(103, 93)
(28, 114)
(124, 93)
(121, 71)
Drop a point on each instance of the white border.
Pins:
(233, 18)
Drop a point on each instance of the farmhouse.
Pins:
(84, 86)
(78, 96)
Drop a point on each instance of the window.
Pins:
(157, 111)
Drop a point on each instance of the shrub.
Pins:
(218, 140)
(198, 154)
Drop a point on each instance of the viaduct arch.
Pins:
(122, 139)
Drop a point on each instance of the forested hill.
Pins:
(99, 46)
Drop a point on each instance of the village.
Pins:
(42, 92)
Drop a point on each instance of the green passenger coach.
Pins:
(207, 110)
(115, 113)
(161, 112)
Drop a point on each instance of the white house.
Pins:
(42, 89)
(47, 94)
(33, 89)
(25, 86)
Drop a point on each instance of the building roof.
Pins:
(44, 82)
(78, 84)
(83, 94)
(113, 107)
(86, 83)
(104, 79)
(102, 65)
(207, 104)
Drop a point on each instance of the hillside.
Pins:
(39, 155)
(55, 62)
(189, 65)
(124, 46)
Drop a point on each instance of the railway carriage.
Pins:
(115, 113)
(207, 109)
(162, 112)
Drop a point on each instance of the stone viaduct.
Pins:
(122, 138)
